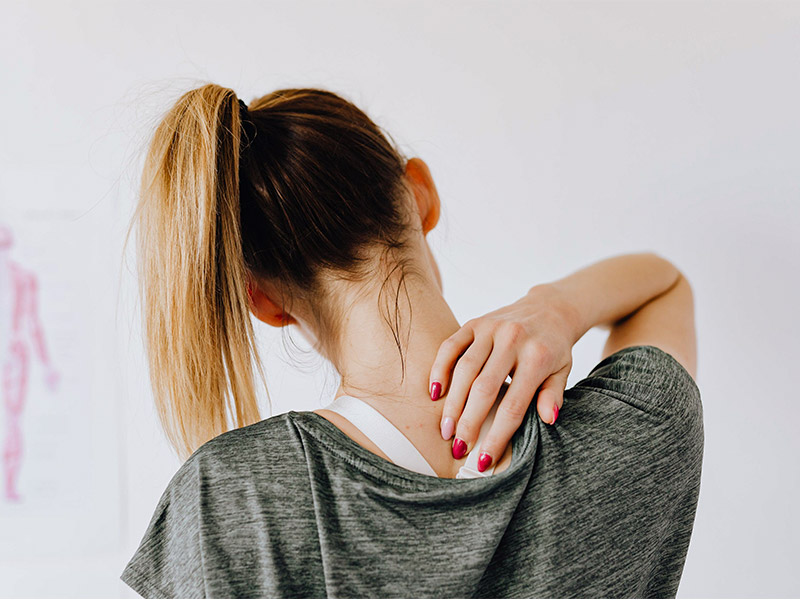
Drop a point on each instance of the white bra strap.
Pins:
(382, 432)
(469, 469)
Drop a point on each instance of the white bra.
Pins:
(397, 446)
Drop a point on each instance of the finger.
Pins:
(551, 395)
(465, 372)
(483, 395)
(448, 353)
(510, 412)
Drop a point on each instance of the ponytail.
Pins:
(198, 333)
(318, 193)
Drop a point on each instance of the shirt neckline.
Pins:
(523, 451)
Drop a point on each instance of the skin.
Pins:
(641, 298)
(369, 362)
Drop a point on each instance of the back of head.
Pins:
(297, 188)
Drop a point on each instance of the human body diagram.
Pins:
(21, 334)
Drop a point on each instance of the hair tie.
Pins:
(247, 124)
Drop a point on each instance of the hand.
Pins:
(531, 340)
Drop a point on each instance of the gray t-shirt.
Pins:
(600, 505)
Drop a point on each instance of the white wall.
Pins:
(557, 133)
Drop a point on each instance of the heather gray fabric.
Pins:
(600, 505)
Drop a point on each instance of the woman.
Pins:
(300, 200)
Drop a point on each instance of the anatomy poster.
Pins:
(58, 439)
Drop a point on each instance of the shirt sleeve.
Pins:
(641, 403)
(168, 561)
(637, 423)
(616, 481)
(649, 379)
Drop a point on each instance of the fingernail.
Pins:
(459, 448)
(448, 427)
(555, 414)
(436, 389)
(484, 460)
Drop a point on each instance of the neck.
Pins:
(371, 369)
(369, 358)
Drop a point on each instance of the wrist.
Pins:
(559, 300)
(604, 292)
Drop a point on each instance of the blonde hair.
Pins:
(316, 183)
(192, 279)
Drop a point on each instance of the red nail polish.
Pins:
(484, 460)
(555, 414)
(459, 448)
(436, 389)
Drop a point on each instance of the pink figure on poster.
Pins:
(19, 329)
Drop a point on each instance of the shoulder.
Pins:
(624, 461)
(261, 458)
(645, 363)
(648, 378)
(639, 401)
(212, 498)
(638, 418)
(262, 447)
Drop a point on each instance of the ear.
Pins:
(265, 309)
(425, 193)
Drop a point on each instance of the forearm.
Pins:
(606, 291)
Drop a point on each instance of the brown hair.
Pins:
(300, 188)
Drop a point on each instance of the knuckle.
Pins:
(538, 354)
(513, 331)
(528, 355)
(513, 409)
(452, 408)
(483, 386)
(448, 345)
(467, 363)
(471, 323)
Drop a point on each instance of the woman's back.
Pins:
(600, 505)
